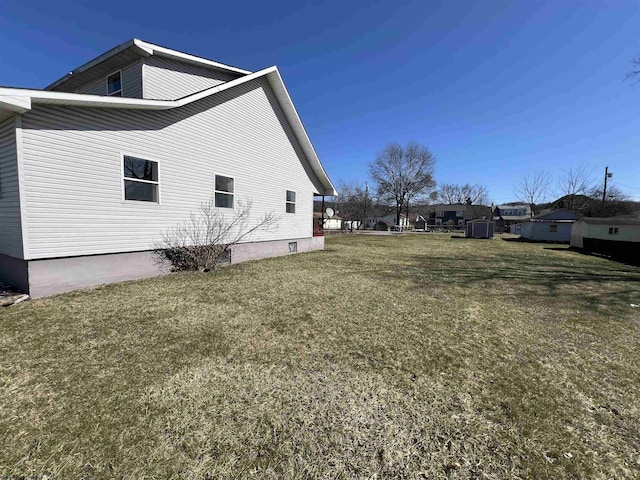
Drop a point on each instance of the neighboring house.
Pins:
(553, 226)
(329, 223)
(95, 167)
(613, 236)
(456, 215)
(509, 214)
(388, 222)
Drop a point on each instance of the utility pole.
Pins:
(604, 191)
(366, 201)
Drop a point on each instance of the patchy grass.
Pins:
(414, 356)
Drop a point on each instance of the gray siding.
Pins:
(10, 223)
(131, 82)
(73, 170)
(541, 231)
(166, 79)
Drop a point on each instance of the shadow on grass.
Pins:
(523, 277)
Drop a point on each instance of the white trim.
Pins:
(167, 52)
(233, 194)
(123, 178)
(145, 49)
(121, 91)
(21, 189)
(271, 74)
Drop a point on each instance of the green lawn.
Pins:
(415, 356)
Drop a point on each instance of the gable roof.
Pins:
(128, 52)
(19, 100)
(563, 213)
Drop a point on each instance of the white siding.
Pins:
(541, 231)
(166, 79)
(73, 176)
(131, 82)
(10, 224)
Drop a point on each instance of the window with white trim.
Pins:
(114, 84)
(140, 179)
(291, 201)
(224, 189)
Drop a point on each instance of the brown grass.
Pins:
(414, 356)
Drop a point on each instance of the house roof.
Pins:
(20, 100)
(130, 51)
(572, 215)
(610, 220)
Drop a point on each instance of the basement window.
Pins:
(114, 84)
(140, 179)
(224, 189)
(293, 247)
(291, 201)
(613, 230)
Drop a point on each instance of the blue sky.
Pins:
(495, 89)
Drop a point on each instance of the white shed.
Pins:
(615, 236)
(553, 226)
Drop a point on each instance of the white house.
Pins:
(97, 165)
(554, 226)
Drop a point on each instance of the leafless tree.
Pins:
(450, 193)
(634, 74)
(533, 188)
(353, 202)
(403, 174)
(573, 182)
(616, 203)
(200, 242)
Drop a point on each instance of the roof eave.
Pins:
(273, 76)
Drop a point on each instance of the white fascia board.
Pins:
(92, 63)
(271, 73)
(298, 127)
(167, 52)
(14, 103)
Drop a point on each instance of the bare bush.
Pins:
(200, 242)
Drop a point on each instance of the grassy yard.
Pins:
(415, 356)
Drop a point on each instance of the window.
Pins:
(613, 230)
(225, 257)
(460, 213)
(140, 179)
(291, 201)
(224, 191)
(293, 247)
(553, 228)
(114, 84)
(439, 214)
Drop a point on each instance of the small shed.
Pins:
(617, 237)
(479, 229)
(554, 226)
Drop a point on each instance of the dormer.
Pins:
(138, 69)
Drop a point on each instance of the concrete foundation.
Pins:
(41, 278)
